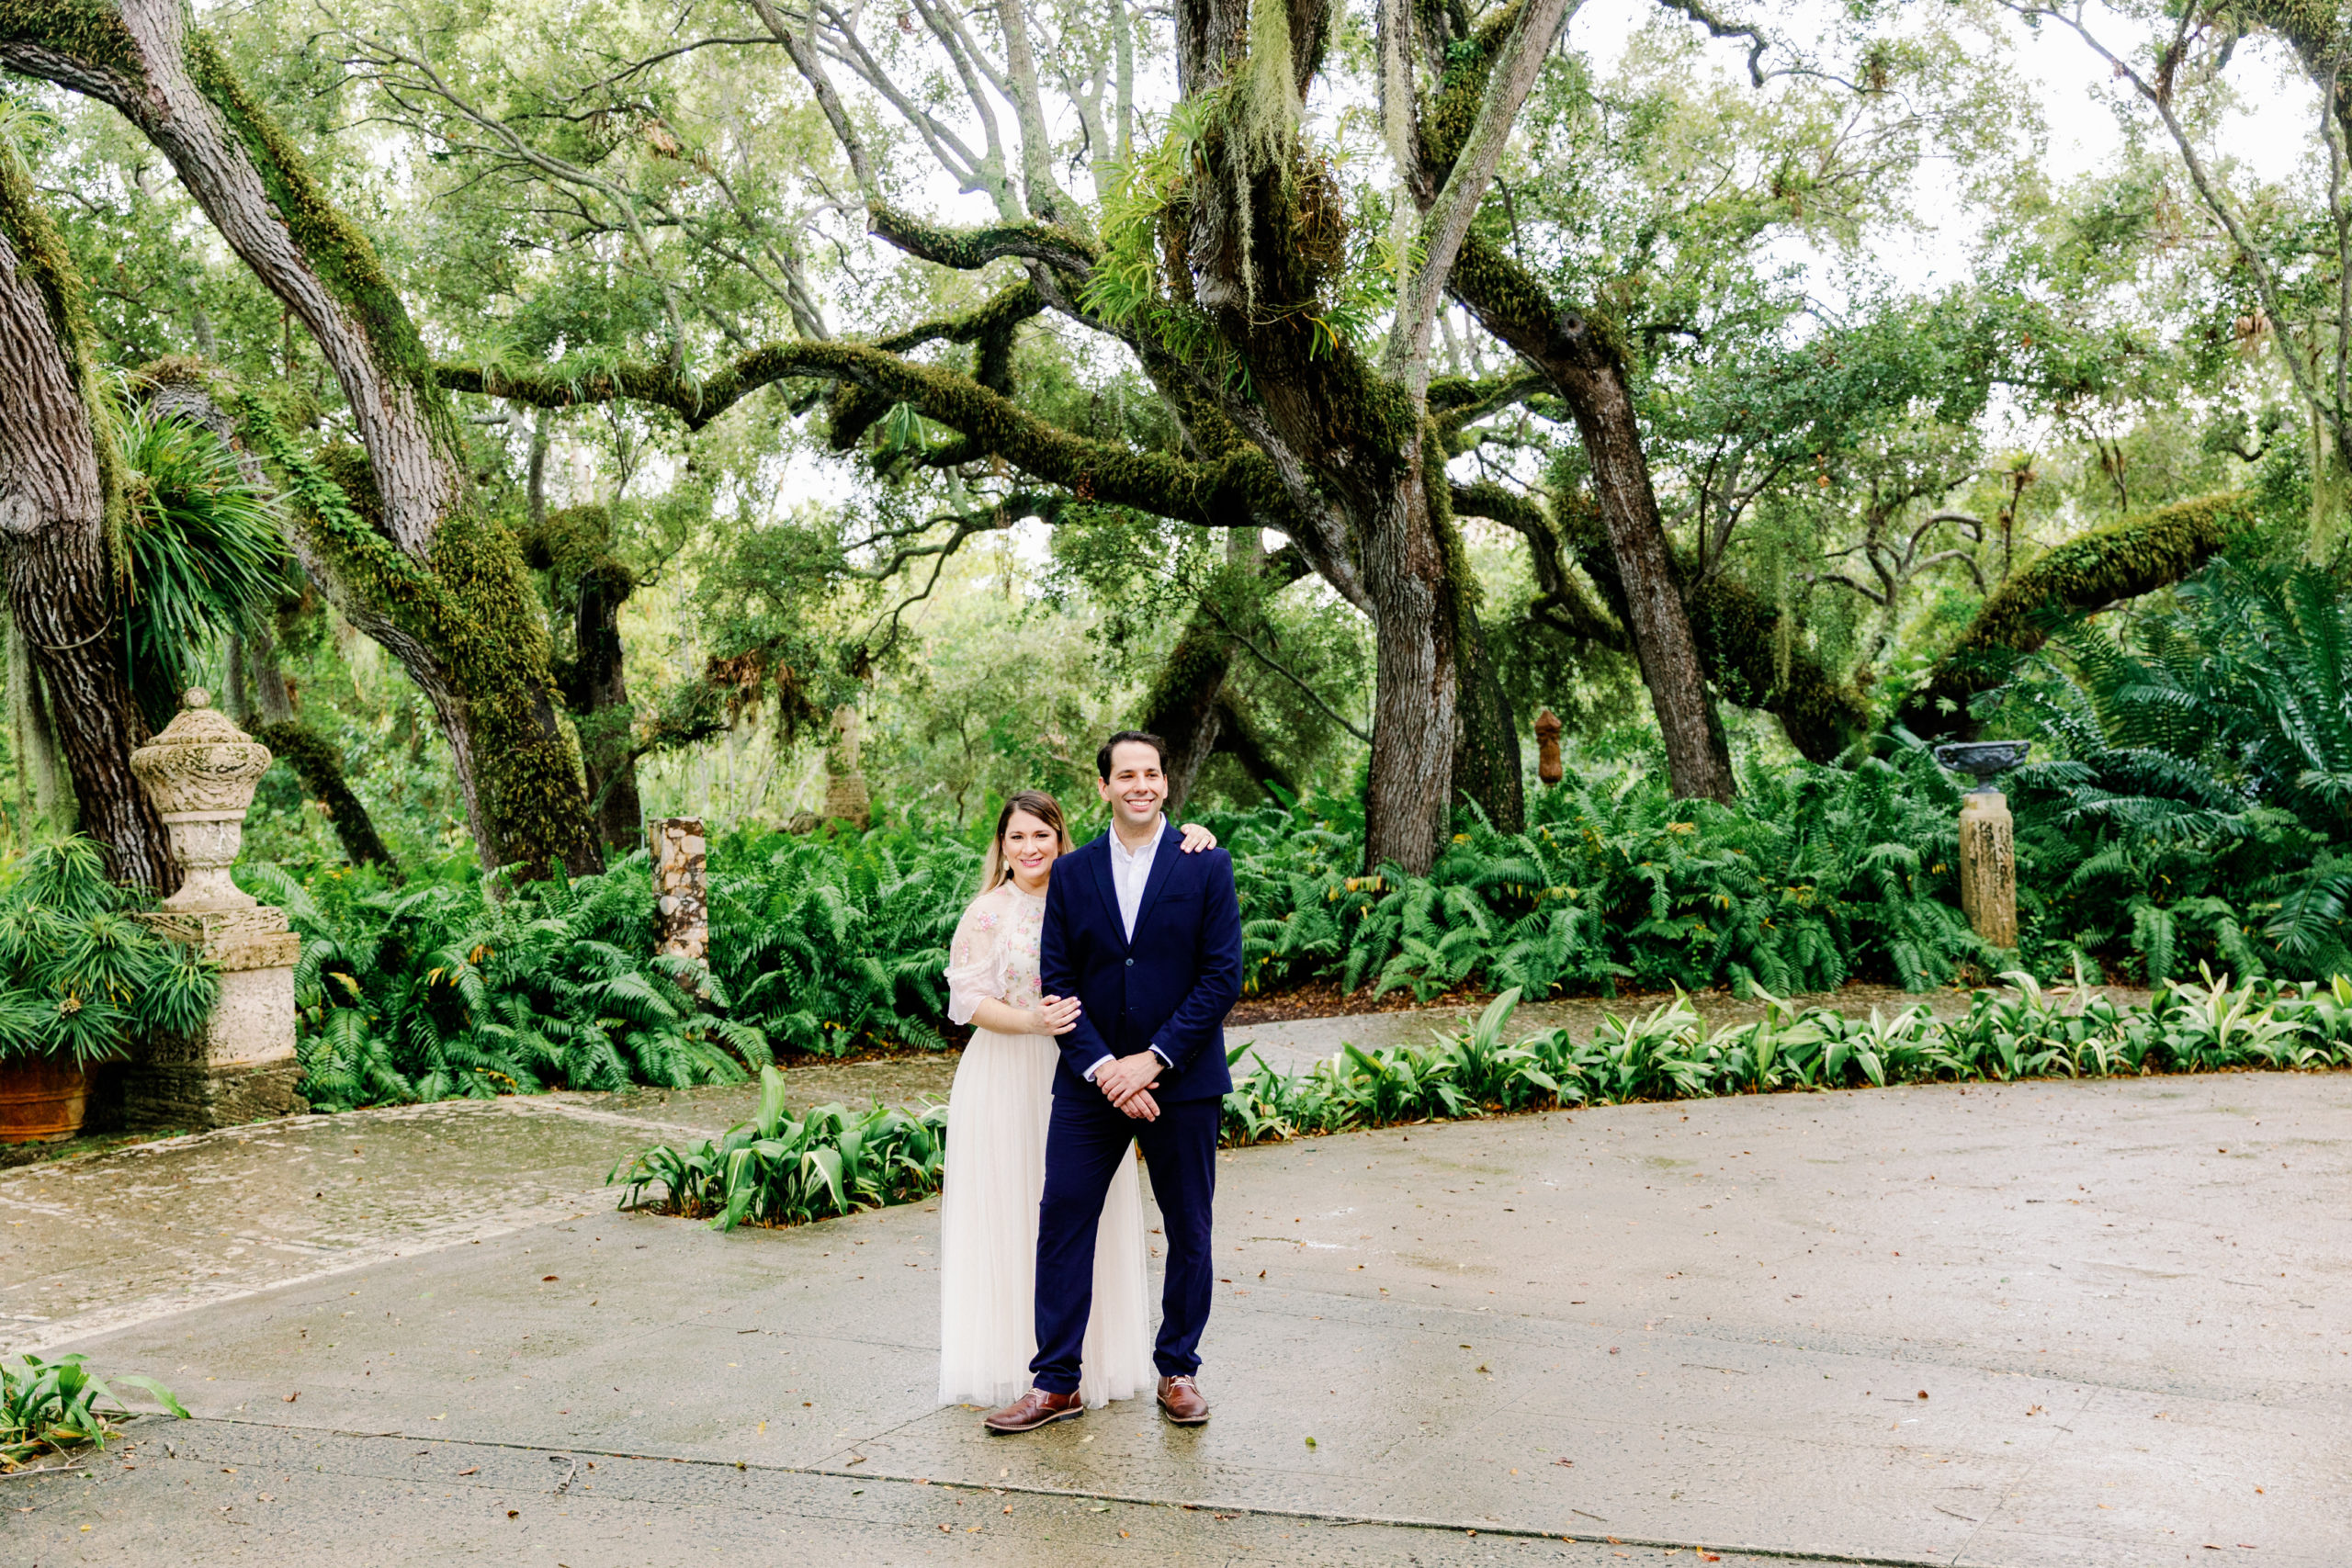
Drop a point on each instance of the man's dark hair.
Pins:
(1140, 737)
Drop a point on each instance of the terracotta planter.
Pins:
(42, 1100)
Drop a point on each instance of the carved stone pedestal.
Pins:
(681, 887)
(241, 1066)
(1988, 866)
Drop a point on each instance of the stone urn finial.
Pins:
(200, 772)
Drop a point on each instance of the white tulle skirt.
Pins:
(997, 1116)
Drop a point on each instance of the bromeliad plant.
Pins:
(54, 1407)
(779, 1170)
(79, 978)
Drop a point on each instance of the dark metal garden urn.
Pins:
(1988, 848)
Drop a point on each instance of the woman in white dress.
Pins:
(997, 1116)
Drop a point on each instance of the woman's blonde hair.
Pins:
(1035, 803)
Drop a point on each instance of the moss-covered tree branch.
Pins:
(1234, 490)
(472, 639)
(968, 250)
(2127, 557)
(314, 762)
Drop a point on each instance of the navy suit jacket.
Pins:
(1171, 986)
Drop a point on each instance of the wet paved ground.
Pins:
(398, 1327)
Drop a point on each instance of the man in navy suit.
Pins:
(1148, 940)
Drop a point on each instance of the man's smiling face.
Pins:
(1136, 788)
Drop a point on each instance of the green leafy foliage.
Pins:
(1669, 1054)
(79, 978)
(838, 943)
(778, 1169)
(207, 551)
(2198, 804)
(440, 990)
(53, 1406)
(1816, 877)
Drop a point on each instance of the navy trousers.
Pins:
(1089, 1137)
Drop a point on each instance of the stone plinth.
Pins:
(241, 1065)
(682, 887)
(1988, 866)
(846, 797)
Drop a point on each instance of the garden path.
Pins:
(2116, 1295)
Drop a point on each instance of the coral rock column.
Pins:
(1988, 866)
(682, 887)
(846, 799)
(201, 773)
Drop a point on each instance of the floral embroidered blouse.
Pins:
(995, 951)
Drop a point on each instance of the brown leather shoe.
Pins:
(1181, 1402)
(1035, 1409)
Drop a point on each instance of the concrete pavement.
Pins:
(1699, 1326)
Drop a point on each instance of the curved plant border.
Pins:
(830, 1161)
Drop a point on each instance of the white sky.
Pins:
(2269, 135)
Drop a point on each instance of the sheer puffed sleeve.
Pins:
(975, 970)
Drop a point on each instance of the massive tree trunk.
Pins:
(589, 585)
(410, 556)
(1575, 354)
(597, 688)
(60, 504)
(1408, 800)
(1352, 444)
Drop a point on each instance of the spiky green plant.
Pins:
(79, 978)
(56, 1406)
(206, 548)
(781, 1169)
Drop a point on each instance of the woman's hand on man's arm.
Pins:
(1051, 1016)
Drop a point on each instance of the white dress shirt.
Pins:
(1130, 873)
(1131, 870)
